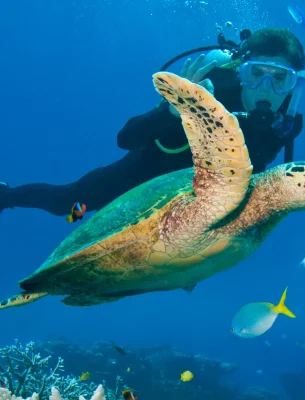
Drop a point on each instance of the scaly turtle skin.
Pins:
(177, 229)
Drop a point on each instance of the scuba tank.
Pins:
(223, 44)
(221, 56)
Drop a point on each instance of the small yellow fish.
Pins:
(84, 376)
(128, 369)
(187, 376)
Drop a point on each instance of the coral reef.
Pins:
(294, 385)
(155, 372)
(98, 394)
(258, 393)
(5, 394)
(26, 372)
(150, 368)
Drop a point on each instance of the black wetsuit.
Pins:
(145, 160)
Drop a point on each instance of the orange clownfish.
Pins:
(128, 394)
(77, 212)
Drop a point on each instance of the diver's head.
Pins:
(272, 57)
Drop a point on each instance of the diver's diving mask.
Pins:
(282, 79)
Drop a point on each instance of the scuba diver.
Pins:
(259, 80)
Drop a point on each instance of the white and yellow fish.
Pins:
(254, 319)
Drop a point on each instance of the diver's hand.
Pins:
(195, 72)
(4, 188)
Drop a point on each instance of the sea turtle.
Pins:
(177, 229)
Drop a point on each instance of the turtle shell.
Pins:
(129, 209)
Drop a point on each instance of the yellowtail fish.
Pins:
(187, 376)
(254, 319)
(85, 376)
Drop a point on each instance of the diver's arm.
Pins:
(95, 189)
(262, 156)
(298, 125)
(57, 199)
(141, 130)
(289, 146)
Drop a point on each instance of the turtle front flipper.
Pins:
(221, 160)
(86, 300)
(22, 299)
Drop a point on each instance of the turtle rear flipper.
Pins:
(22, 299)
(221, 159)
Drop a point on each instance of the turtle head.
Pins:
(291, 185)
(272, 195)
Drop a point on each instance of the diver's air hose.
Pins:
(171, 151)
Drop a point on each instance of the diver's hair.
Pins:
(276, 42)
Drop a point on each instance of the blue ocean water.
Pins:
(72, 74)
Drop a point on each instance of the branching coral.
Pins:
(5, 394)
(98, 394)
(116, 393)
(25, 372)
